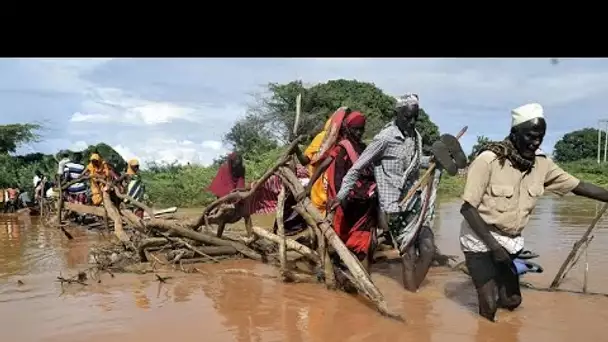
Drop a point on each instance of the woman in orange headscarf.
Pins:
(354, 224)
(98, 167)
(317, 151)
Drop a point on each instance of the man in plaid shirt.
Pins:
(396, 156)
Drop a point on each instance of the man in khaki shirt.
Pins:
(503, 185)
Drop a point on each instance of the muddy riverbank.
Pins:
(218, 305)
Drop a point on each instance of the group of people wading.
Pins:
(84, 184)
(363, 188)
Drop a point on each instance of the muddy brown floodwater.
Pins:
(230, 307)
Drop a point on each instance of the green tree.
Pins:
(276, 109)
(481, 141)
(576, 145)
(107, 153)
(13, 135)
(250, 137)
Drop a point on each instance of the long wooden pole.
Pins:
(561, 274)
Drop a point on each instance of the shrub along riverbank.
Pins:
(183, 185)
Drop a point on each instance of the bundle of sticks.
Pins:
(183, 239)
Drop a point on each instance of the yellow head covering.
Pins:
(130, 165)
(327, 123)
(95, 156)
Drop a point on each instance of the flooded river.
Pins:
(230, 307)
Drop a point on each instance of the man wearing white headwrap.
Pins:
(525, 113)
(396, 156)
(503, 185)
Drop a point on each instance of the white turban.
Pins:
(406, 100)
(526, 112)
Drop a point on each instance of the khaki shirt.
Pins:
(506, 197)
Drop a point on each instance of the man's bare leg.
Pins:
(496, 284)
(486, 298)
(220, 229)
(416, 265)
(509, 292)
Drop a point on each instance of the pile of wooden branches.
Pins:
(155, 240)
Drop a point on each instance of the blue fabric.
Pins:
(523, 267)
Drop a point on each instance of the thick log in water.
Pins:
(114, 214)
(289, 244)
(175, 228)
(361, 278)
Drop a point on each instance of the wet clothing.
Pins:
(396, 161)
(264, 200)
(392, 155)
(482, 268)
(505, 189)
(356, 223)
(505, 197)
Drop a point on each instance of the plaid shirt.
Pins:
(391, 153)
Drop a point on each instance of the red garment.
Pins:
(224, 181)
(355, 224)
(77, 198)
(355, 119)
(264, 201)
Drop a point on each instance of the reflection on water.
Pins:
(216, 306)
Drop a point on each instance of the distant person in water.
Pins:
(134, 185)
(65, 158)
(10, 206)
(503, 185)
(72, 170)
(98, 167)
(38, 184)
(231, 176)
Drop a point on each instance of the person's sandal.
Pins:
(453, 145)
(443, 157)
(527, 255)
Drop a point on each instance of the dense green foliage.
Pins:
(270, 120)
(185, 185)
(13, 135)
(577, 145)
